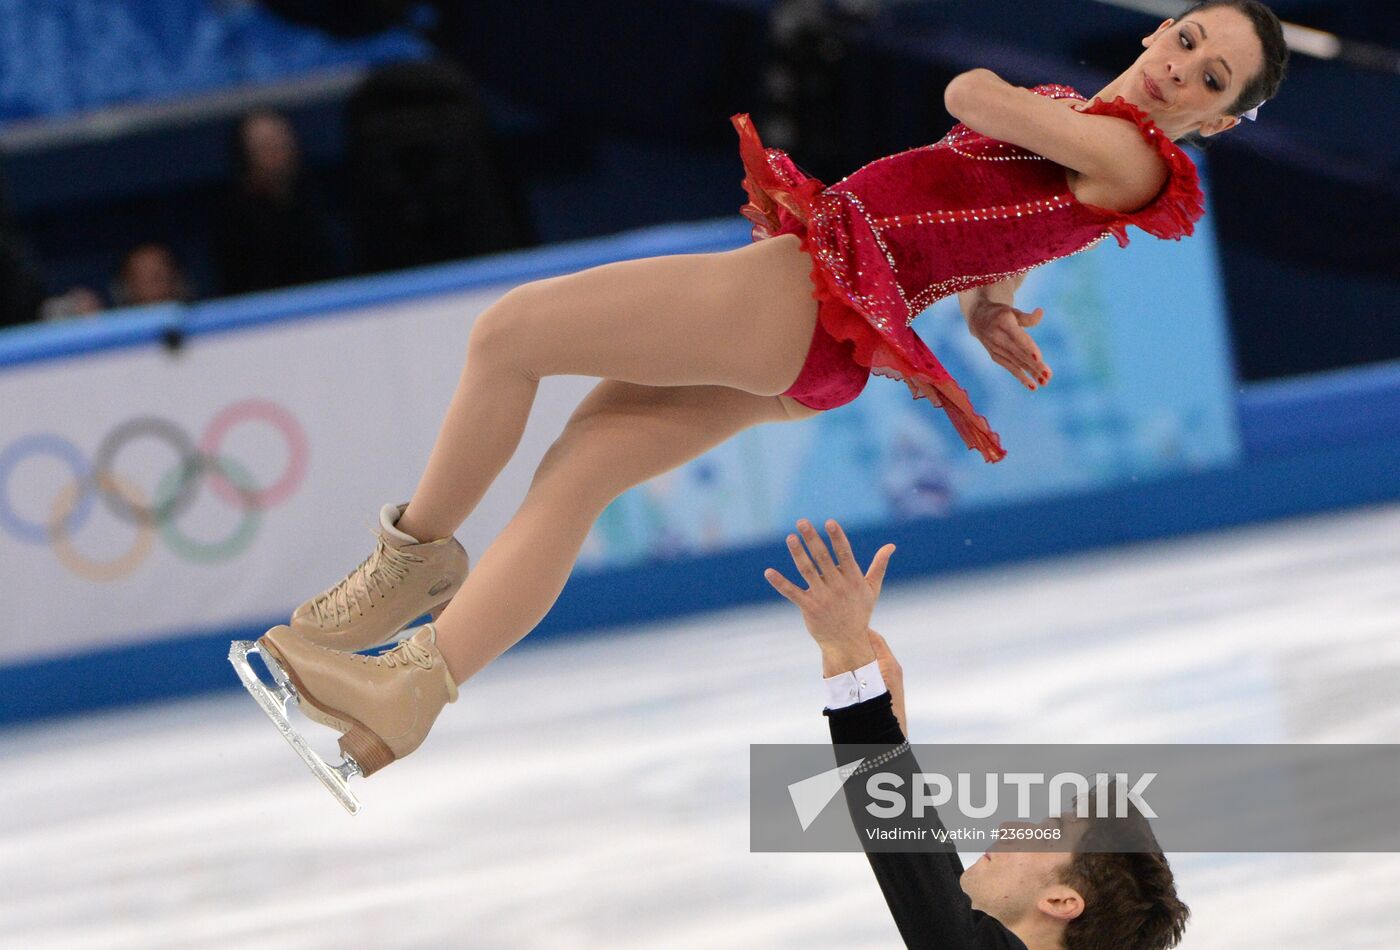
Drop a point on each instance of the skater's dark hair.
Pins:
(1264, 85)
(1127, 885)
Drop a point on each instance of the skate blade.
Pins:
(336, 778)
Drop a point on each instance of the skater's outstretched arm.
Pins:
(921, 888)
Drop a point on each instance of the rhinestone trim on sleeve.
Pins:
(874, 762)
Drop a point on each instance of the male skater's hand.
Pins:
(893, 675)
(839, 599)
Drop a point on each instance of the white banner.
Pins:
(110, 536)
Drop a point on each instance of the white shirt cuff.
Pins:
(847, 689)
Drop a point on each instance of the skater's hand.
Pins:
(1001, 328)
(893, 675)
(839, 599)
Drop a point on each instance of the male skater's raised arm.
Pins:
(1007, 900)
(923, 888)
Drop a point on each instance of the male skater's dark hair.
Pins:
(1129, 894)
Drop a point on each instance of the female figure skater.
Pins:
(692, 349)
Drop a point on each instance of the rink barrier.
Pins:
(1283, 484)
(1310, 445)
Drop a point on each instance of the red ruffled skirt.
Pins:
(781, 199)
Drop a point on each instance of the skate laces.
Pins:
(379, 573)
(406, 653)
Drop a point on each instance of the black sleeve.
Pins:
(921, 888)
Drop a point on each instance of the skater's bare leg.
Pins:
(621, 435)
(741, 319)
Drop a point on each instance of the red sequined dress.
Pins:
(906, 230)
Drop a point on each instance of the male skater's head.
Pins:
(1088, 898)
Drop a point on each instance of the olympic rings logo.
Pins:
(199, 462)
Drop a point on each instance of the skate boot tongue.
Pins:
(389, 516)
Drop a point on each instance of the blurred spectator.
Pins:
(149, 273)
(273, 231)
(21, 288)
(427, 180)
(76, 302)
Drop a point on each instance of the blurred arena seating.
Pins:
(427, 180)
(21, 288)
(582, 144)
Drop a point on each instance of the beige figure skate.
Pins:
(401, 580)
(383, 705)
